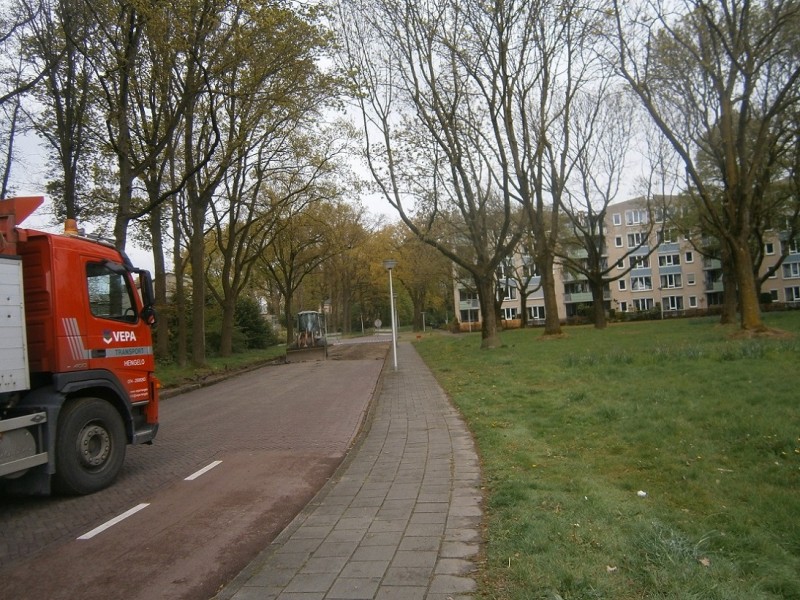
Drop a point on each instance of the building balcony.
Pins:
(669, 248)
(669, 270)
(583, 297)
(566, 277)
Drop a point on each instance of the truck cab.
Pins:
(91, 389)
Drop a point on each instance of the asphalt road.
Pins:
(259, 446)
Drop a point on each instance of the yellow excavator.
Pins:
(310, 339)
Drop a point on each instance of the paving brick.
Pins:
(402, 519)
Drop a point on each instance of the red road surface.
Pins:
(279, 433)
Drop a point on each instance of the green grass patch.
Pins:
(570, 430)
(173, 375)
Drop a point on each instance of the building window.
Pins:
(642, 304)
(793, 294)
(469, 316)
(509, 292)
(791, 271)
(635, 239)
(640, 262)
(673, 303)
(774, 295)
(509, 313)
(689, 256)
(620, 264)
(622, 285)
(690, 279)
(640, 284)
(669, 260)
(623, 306)
(794, 247)
(618, 241)
(667, 236)
(467, 296)
(617, 219)
(769, 248)
(530, 270)
(692, 301)
(671, 281)
(635, 217)
(536, 313)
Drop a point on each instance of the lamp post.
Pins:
(390, 264)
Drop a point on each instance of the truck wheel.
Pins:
(90, 446)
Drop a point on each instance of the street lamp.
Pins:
(390, 264)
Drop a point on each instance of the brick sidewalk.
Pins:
(400, 520)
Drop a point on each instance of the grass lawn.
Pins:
(647, 460)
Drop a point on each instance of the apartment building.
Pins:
(660, 273)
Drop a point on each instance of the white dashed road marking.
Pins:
(205, 469)
(112, 522)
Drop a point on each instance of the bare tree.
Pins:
(604, 126)
(719, 79)
(12, 124)
(422, 74)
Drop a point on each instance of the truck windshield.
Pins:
(110, 296)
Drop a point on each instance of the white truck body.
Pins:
(14, 375)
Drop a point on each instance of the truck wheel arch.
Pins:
(98, 384)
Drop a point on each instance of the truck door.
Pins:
(119, 340)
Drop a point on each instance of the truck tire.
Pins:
(90, 446)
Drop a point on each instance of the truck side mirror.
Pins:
(148, 297)
(149, 315)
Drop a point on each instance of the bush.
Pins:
(257, 331)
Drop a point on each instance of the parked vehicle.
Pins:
(77, 380)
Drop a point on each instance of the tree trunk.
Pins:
(160, 280)
(347, 307)
(9, 153)
(228, 325)
(197, 253)
(598, 304)
(523, 308)
(552, 322)
(418, 302)
(749, 309)
(729, 287)
(289, 317)
(180, 291)
(490, 337)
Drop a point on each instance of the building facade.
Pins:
(660, 274)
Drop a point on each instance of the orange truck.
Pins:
(77, 379)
